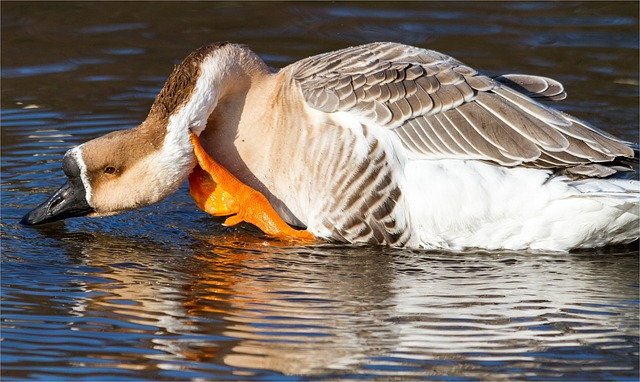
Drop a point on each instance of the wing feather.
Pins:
(423, 141)
(510, 143)
(441, 131)
(531, 107)
(580, 149)
(409, 138)
(534, 86)
(540, 133)
(483, 146)
(449, 128)
(441, 108)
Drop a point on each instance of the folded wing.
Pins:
(441, 108)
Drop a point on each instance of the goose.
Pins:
(382, 143)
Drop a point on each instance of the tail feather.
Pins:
(619, 211)
(611, 185)
(623, 194)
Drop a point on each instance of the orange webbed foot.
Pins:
(209, 196)
(219, 193)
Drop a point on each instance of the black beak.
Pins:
(69, 201)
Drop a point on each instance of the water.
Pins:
(166, 292)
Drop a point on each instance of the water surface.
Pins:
(166, 292)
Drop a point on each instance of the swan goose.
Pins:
(380, 143)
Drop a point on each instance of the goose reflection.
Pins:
(309, 311)
(131, 289)
(296, 310)
(239, 300)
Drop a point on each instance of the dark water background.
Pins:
(166, 292)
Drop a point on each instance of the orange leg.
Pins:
(219, 193)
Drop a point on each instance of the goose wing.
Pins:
(441, 108)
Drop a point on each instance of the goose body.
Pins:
(382, 143)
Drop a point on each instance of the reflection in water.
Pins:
(258, 306)
(304, 315)
(341, 308)
(130, 298)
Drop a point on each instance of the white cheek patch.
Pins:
(76, 153)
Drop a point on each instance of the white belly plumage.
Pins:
(456, 204)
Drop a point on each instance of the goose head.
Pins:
(132, 168)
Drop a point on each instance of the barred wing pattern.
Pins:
(441, 108)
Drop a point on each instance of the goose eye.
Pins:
(109, 170)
